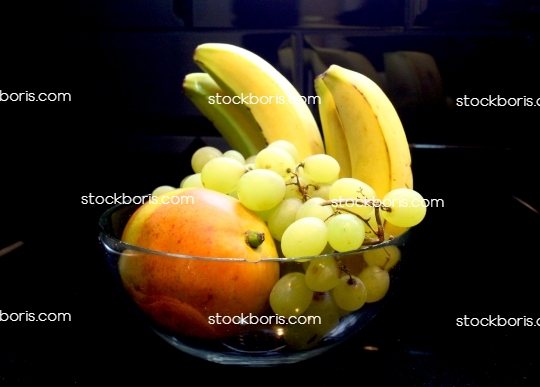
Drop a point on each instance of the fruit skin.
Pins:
(334, 137)
(233, 121)
(377, 143)
(181, 294)
(243, 73)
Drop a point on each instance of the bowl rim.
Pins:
(122, 247)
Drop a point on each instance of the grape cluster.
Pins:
(308, 208)
(312, 212)
(329, 288)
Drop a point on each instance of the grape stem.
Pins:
(372, 241)
(303, 189)
(344, 269)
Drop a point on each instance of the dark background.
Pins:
(128, 129)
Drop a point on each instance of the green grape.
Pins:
(192, 181)
(300, 337)
(322, 274)
(264, 215)
(261, 189)
(385, 257)
(350, 293)
(319, 191)
(376, 281)
(322, 314)
(233, 154)
(321, 168)
(349, 188)
(222, 174)
(302, 175)
(251, 159)
(303, 238)
(292, 190)
(312, 208)
(345, 232)
(407, 207)
(282, 216)
(328, 249)
(277, 160)
(288, 147)
(290, 295)
(162, 189)
(202, 156)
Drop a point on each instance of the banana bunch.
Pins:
(361, 127)
(360, 121)
(233, 121)
(270, 99)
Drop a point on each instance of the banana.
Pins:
(234, 121)
(335, 142)
(378, 146)
(274, 102)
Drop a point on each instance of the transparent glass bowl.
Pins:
(245, 342)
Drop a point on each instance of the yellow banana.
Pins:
(274, 102)
(335, 142)
(234, 121)
(378, 146)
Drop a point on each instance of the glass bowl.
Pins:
(248, 339)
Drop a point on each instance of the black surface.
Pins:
(475, 257)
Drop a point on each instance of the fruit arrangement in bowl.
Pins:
(285, 245)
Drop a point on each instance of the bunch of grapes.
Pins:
(308, 208)
(311, 212)
(329, 288)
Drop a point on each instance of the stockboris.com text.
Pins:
(250, 99)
